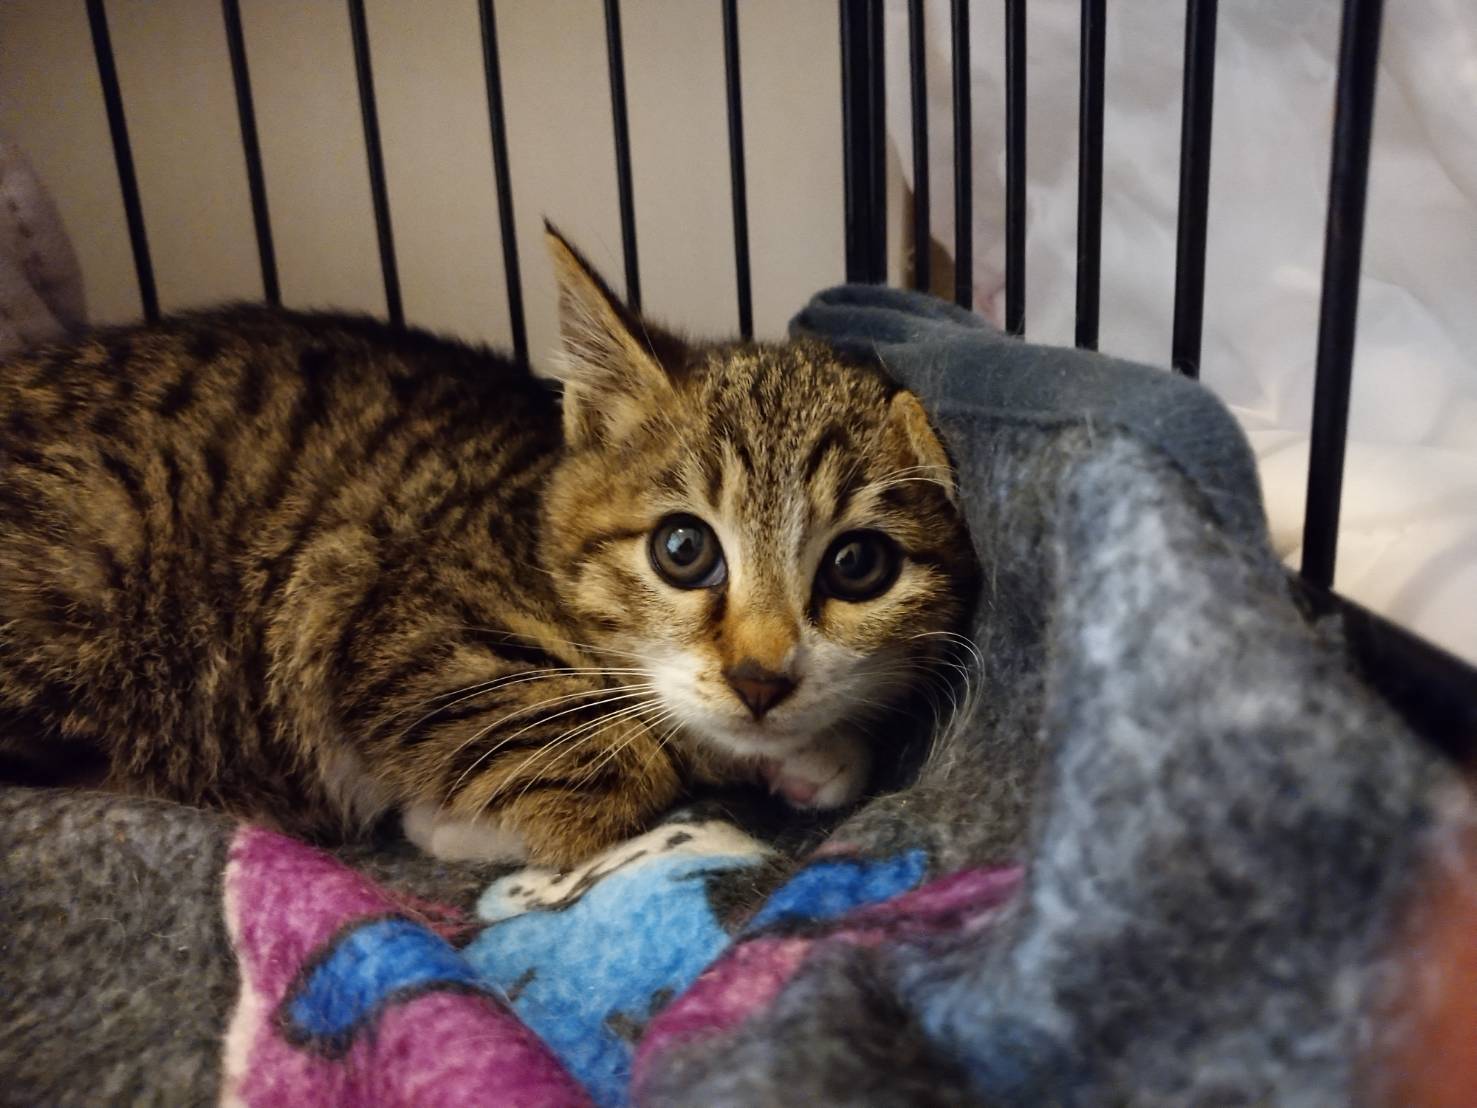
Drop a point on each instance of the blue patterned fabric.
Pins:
(587, 969)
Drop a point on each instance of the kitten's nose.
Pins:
(758, 687)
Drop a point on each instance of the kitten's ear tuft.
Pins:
(612, 379)
(910, 423)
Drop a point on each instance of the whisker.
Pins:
(961, 692)
(549, 702)
(539, 640)
(934, 474)
(598, 724)
(956, 639)
(602, 725)
(615, 751)
(467, 692)
(916, 469)
(608, 695)
(661, 743)
(626, 694)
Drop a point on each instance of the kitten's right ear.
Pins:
(612, 379)
(909, 422)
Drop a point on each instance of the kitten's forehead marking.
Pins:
(786, 439)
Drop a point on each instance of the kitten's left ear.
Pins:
(612, 379)
(910, 423)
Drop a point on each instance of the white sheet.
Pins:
(1408, 536)
(40, 284)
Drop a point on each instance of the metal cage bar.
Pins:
(1195, 125)
(863, 140)
(1090, 171)
(877, 90)
(251, 150)
(855, 135)
(918, 80)
(963, 170)
(620, 126)
(497, 125)
(738, 181)
(1015, 166)
(1359, 47)
(374, 153)
(133, 212)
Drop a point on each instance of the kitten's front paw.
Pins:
(830, 773)
(453, 839)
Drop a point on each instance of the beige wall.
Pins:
(176, 83)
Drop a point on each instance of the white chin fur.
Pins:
(752, 741)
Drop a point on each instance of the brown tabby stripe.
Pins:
(19, 508)
(312, 522)
(19, 425)
(846, 492)
(461, 500)
(831, 441)
(537, 732)
(52, 368)
(173, 481)
(511, 650)
(746, 459)
(365, 701)
(126, 476)
(203, 347)
(217, 470)
(717, 609)
(478, 705)
(112, 567)
(353, 632)
(712, 470)
(672, 481)
(179, 395)
(251, 395)
(601, 539)
(106, 423)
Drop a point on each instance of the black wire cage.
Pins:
(1433, 690)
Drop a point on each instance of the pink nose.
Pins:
(758, 687)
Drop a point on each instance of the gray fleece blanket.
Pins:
(1156, 856)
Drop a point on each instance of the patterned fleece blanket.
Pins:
(1156, 857)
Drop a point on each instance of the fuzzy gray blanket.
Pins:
(1158, 856)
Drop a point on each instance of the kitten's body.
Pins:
(311, 568)
(215, 527)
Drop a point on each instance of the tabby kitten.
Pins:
(310, 569)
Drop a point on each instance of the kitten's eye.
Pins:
(686, 553)
(859, 565)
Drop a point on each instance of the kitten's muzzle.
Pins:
(759, 687)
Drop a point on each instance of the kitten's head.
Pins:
(765, 534)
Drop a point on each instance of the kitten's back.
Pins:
(166, 492)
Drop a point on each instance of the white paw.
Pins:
(830, 773)
(453, 839)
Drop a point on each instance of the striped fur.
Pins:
(309, 569)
